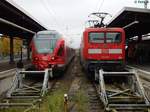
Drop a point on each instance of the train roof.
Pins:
(56, 34)
(104, 29)
(48, 32)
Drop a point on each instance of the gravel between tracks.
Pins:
(82, 93)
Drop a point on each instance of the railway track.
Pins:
(6, 78)
(27, 96)
(91, 91)
(125, 107)
(22, 93)
(144, 78)
(95, 102)
(146, 86)
(74, 76)
(82, 93)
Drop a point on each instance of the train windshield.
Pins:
(101, 37)
(45, 43)
(96, 37)
(113, 37)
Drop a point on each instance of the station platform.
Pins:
(6, 65)
(144, 67)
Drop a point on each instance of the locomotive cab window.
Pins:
(96, 37)
(113, 37)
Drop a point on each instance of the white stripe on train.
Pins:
(94, 51)
(115, 51)
(110, 51)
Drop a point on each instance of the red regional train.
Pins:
(102, 48)
(49, 49)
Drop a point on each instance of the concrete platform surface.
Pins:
(6, 65)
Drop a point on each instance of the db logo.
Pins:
(105, 51)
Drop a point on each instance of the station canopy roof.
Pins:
(15, 21)
(135, 21)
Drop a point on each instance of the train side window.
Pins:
(96, 37)
(60, 51)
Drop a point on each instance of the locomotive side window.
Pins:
(113, 37)
(96, 37)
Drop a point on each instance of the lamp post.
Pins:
(20, 63)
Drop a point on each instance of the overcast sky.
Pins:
(69, 16)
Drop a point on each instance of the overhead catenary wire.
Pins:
(97, 5)
(101, 4)
(99, 10)
(49, 11)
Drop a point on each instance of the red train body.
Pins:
(49, 49)
(102, 48)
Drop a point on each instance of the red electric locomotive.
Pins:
(49, 49)
(102, 48)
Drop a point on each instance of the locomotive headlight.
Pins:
(36, 58)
